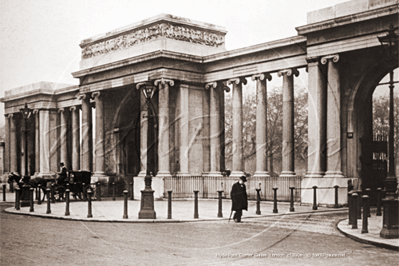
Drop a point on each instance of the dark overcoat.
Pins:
(239, 199)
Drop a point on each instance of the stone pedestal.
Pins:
(147, 205)
(390, 225)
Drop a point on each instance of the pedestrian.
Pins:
(239, 199)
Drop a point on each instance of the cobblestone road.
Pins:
(284, 240)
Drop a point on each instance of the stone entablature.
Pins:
(162, 26)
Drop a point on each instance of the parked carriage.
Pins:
(75, 185)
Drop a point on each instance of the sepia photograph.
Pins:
(213, 132)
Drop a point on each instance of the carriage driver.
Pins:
(62, 176)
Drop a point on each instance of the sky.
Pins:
(39, 39)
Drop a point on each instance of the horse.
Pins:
(33, 182)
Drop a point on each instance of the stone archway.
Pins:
(359, 122)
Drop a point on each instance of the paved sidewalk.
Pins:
(372, 237)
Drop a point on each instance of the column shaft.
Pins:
(7, 145)
(75, 139)
(99, 134)
(87, 137)
(37, 142)
(63, 136)
(44, 142)
(237, 131)
(333, 121)
(144, 150)
(261, 127)
(13, 145)
(288, 152)
(184, 120)
(215, 131)
(163, 127)
(316, 120)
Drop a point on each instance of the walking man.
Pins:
(239, 198)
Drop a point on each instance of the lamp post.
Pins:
(147, 195)
(390, 219)
(25, 197)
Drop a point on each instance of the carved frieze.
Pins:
(168, 30)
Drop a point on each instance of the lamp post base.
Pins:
(390, 225)
(147, 205)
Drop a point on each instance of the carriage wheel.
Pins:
(59, 194)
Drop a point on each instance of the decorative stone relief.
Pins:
(181, 33)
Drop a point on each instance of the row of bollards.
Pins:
(89, 193)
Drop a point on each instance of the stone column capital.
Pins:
(95, 95)
(334, 58)
(288, 72)
(61, 110)
(237, 81)
(81, 96)
(138, 85)
(213, 85)
(10, 115)
(35, 111)
(261, 76)
(72, 108)
(164, 81)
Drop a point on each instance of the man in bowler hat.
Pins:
(239, 198)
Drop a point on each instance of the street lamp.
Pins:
(390, 219)
(147, 195)
(26, 112)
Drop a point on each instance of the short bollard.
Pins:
(12, 187)
(292, 209)
(4, 192)
(359, 204)
(31, 192)
(275, 210)
(125, 216)
(196, 204)
(89, 193)
(169, 204)
(350, 207)
(67, 191)
(48, 191)
(314, 197)
(354, 216)
(131, 191)
(367, 192)
(17, 198)
(39, 188)
(336, 196)
(113, 190)
(220, 213)
(84, 191)
(257, 201)
(98, 191)
(52, 193)
(366, 210)
(379, 201)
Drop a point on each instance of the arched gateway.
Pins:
(187, 64)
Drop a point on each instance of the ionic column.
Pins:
(215, 131)
(143, 134)
(63, 136)
(13, 144)
(261, 124)
(99, 146)
(163, 135)
(238, 163)
(87, 137)
(37, 141)
(333, 117)
(184, 132)
(288, 151)
(75, 138)
(317, 108)
(7, 145)
(44, 118)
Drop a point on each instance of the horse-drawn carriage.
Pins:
(74, 182)
(77, 183)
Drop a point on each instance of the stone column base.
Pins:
(138, 182)
(214, 174)
(261, 174)
(158, 184)
(236, 174)
(333, 174)
(314, 175)
(287, 174)
(99, 176)
(390, 224)
(325, 190)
